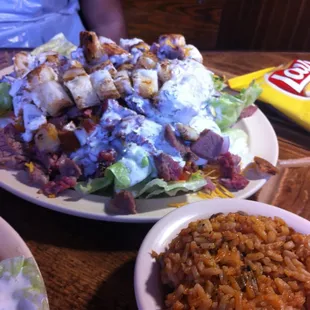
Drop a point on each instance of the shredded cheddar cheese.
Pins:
(30, 166)
(177, 205)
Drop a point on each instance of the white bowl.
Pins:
(148, 289)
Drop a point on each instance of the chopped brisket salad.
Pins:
(127, 120)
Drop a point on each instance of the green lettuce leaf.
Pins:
(128, 173)
(5, 98)
(21, 282)
(145, 162)
(116, 173)
(94, 185)
(219, 83)
(120, 174)
(158, 186)
(58, 44)
(228, 107)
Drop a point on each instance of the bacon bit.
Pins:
(88, 125)
(265, 166)
(87, 113)
(107, 156)
(19, 124)
(68, 140)
(185, 176)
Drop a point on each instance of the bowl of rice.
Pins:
(225, 254)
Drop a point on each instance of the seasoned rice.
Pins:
(237, 261)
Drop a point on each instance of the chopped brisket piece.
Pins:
(53, 188)
(105, 159)
(167, 168)
(12, 153)
(208, 145)
(88, 124)
(235, 183)
(124, 202)
(68, 141)
(248, 111)
(59, 122)
(47, 160)
(37, 174)
(229, 164)
(175, 142)
(67, 167)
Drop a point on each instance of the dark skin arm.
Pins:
(105, 17)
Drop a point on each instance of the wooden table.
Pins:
(88, 264)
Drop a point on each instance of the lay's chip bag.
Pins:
(287, 88)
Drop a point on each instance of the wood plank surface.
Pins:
(88, 264)
(224, 24)
(198, 21)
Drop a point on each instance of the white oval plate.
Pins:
(148, 289)
(262, 142)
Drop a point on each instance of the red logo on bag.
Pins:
(294, 79)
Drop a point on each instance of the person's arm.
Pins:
(105, 17)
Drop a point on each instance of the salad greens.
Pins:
(5, 98)
(229, 107)
(219, 82)
(132, 169)
(21, 285)
(120, 174)
(116, 173)
(94, 185)
(148, 187)
(159, 186)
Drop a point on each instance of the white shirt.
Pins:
(30, 23)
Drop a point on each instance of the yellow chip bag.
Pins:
(286, 87)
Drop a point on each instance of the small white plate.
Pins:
(262, 142)
(148, 289)
(11, 244)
